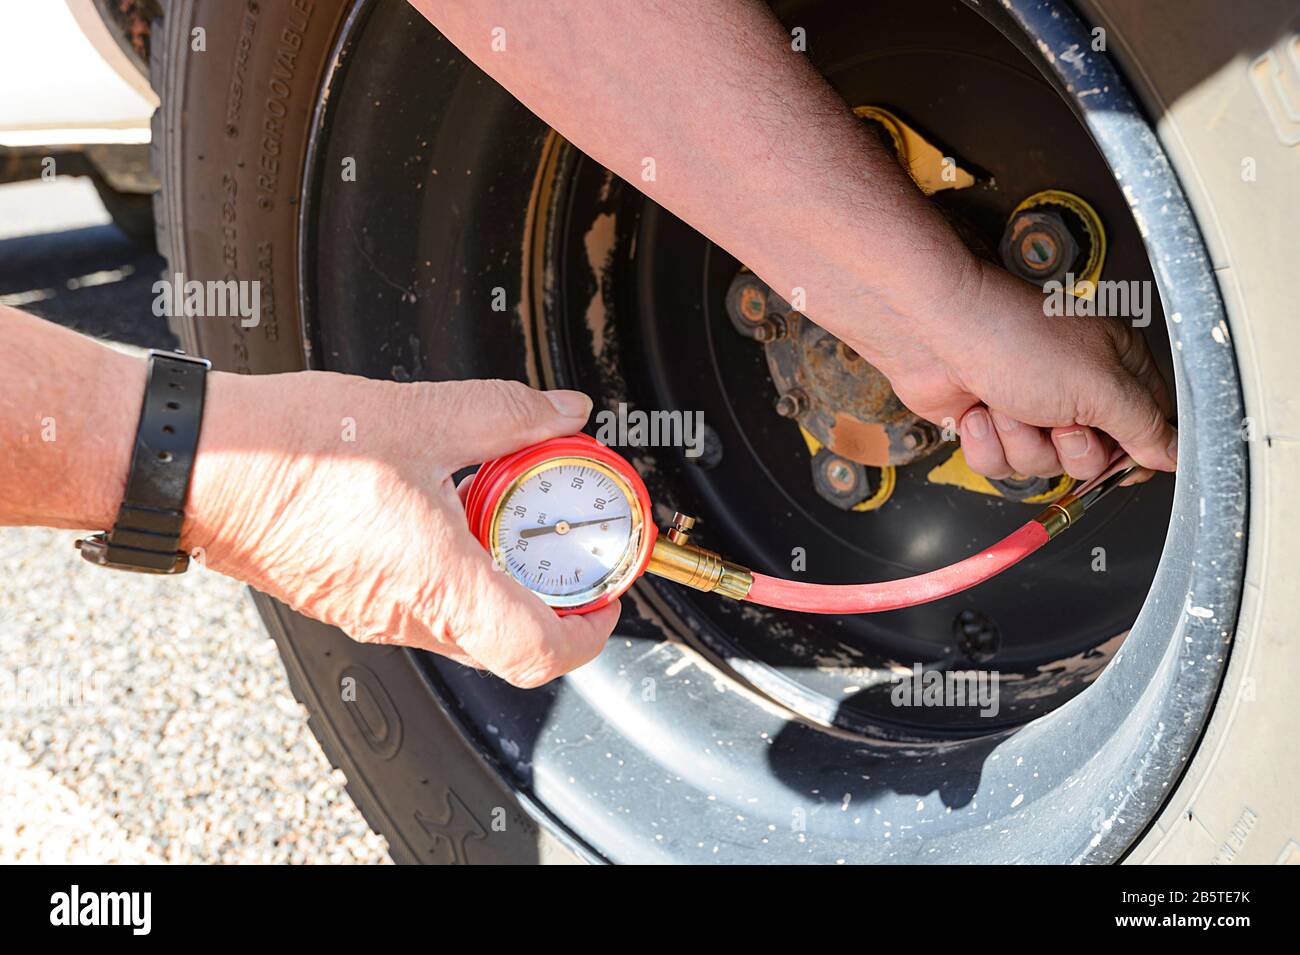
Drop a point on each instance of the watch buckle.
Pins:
(95, 549)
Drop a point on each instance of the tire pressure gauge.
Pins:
(571, 521)
(568, 518)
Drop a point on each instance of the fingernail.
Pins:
(978, 423)
(1172, 450)
(571, 404)
(1003, 423)
(1073, 444)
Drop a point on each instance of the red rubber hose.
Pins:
(895, 594)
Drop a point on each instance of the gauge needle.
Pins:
(563, 527)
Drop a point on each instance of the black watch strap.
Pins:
(146, 535)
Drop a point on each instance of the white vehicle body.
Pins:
(63, 79)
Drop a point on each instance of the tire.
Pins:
(229, 205)
(409, 770)
(1237, 801)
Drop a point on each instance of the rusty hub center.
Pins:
(840, 399)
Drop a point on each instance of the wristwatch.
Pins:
(147, 533)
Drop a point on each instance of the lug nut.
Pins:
(1039, 245)
(772, 329)
(1021, 488)
(977, 636)
(791, 404)
(916, 438)
(842, 482)
(1038, 250)
(753, 303)
(839, 474)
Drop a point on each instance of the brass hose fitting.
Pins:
(675, 558)
(1059, 515)
(1063, 513)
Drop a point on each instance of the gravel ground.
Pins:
(141, 720)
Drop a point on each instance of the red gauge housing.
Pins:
(483, 496)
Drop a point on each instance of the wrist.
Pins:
(237, 473)
(95, 479)
(915, 318)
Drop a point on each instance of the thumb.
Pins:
(503, 627)
(485, 419)
(1133, 417)
(1133, 404)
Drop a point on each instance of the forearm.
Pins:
(69, 407)
(750, 145)
(68, 411)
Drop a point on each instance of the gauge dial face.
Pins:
(569, 530)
